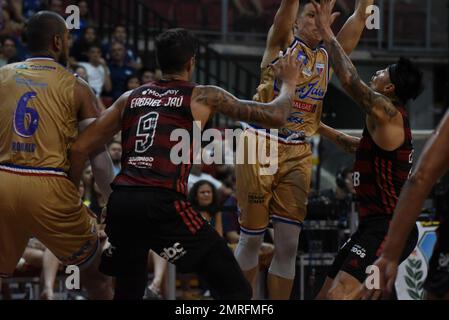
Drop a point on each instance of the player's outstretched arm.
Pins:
(346, 142)
(209, 99)
(374, 104)
(282, 28)
(350, 33)
(95, 136)
(432, 164)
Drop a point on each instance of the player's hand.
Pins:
(324, 17)
(288, 67)
(388, 270)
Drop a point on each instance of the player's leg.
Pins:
(364, 250)
(253, 195)
(187, 240)
(222, 273)
(335, 268)
(69, 230)
(156, 287)
(50, 266)
(345, 287)
(13, 222)
(288, 210)
(282, 268)
(126, 259)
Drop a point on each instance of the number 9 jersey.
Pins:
(38, 118)
(157, 136)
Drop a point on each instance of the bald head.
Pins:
(42, 29)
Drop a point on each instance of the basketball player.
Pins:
(383, 158)
(432, 164)
(41, 106)
(150, 191)
(283, 196)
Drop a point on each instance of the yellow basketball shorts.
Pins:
(46, 207)
(281, 196)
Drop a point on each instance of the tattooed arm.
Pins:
(209, 99)
(346, 142)
(374, 104)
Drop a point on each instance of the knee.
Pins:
(247, 251)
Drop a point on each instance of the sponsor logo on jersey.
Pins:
(320, 68)
(296, 117)
(305, 107)
(29, 83)
(311, 90)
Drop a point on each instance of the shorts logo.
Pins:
(255, 198)
(358, 250)
(173, 253)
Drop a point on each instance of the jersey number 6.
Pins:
(25, 115)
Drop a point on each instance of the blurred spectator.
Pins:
(97, 71)
(132, 82)
(196, 175)
(344, 195)
(81, 46)
(119, 70)
(24, 9)
(85, 19)
(120, 36)
(57, 6)
(248, 8)
(8, 51)
(8, 26)
(203, 197)
(115, 151)
(82, 73)
(148, 75)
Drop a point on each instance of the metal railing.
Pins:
(416, 25)
(144, 23)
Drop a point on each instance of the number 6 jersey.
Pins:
(157, 136)
(38, 117)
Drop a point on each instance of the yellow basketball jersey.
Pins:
(38, 116)
(310, 91)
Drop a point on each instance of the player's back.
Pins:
(153, 114)
(38, 116)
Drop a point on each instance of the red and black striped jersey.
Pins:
(152, 114)
(379, 175)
